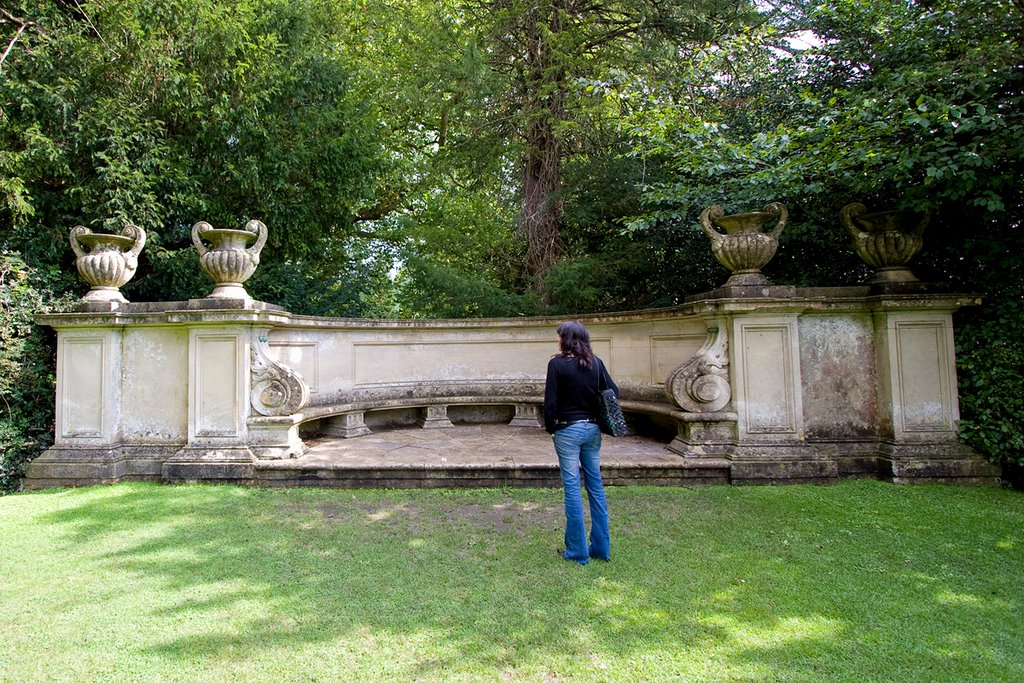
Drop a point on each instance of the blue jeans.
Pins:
(579, 447)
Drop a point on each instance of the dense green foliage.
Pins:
(163, 114)
(492, 157)
(897, 105)
(914, 106)
(26, 365)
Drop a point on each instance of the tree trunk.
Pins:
(543, 206)
(545, 93)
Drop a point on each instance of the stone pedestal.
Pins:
(705, 435)
(527, 415)
(918, 406)
(87, 438)
(434, 417)
(347, 425)
(275, 438)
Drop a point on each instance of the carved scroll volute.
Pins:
(276, 389)
(780, 210)
(711, 213)
(197, 230)
(701, 384)
(261, 239)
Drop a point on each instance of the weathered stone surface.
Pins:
(234, 465)
(744, 248)
(808, 471)
(232, 256)
(824, 383)
(109, 263)
(951, 462)
(885, 240)
(838, 376)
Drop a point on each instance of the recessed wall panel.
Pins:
(376, 363)
(924, 377)
(154, 385)
(216, 390)
(766, 371)
(82, 383)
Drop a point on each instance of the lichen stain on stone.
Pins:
(839, 396)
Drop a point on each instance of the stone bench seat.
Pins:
(345, 415)
(520, 403)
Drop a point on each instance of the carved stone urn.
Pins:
(745, 248)
(232, 256)
(107, 261)
(885, 240)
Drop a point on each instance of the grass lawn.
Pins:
(861, 581)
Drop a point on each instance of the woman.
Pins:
(571, 393)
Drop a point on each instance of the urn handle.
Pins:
(926, 218)
(709, 214)
(139, 235)
(777, 209)
(261, 238)
(197, 229)
(847, 215)
(76, 232)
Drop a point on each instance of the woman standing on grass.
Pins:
(570, 414)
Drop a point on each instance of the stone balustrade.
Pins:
(775, 383)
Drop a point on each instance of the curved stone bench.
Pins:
(345, 415)
(786, 384)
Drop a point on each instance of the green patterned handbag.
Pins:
(609, 417)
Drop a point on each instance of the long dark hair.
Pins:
(574, 341)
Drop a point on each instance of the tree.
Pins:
(502, 103)
(906, 105)
(548, 50)
(163, 114)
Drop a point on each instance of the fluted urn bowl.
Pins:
(107, 261)
(231, 257)
(745, 247)
(885, 240)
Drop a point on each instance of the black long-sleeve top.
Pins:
(571, 393)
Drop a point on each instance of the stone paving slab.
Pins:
(466, 446)
(475, 455)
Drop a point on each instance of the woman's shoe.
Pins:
(561, 554)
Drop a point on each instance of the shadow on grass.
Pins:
(860, 582)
